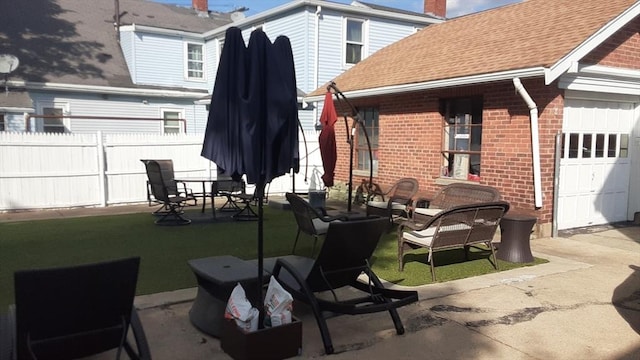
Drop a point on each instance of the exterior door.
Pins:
(595, 165)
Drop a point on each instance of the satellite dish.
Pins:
(8, 63)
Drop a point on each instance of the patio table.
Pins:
(212, 193)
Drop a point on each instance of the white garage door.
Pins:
(595, 164)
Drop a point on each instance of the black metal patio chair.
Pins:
(173, 204)
(343, 257)
(76, 311)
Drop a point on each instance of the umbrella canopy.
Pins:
(223, 133)
(253, 117)
(327, 139)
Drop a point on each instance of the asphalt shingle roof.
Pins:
(74, 41)
(534, 33)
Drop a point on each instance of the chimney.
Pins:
(435, 7)
(200, 5)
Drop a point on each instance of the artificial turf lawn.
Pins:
(164, 250)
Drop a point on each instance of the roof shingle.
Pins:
(534, 33)
(74, 41)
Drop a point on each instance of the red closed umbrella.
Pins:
(327, 139)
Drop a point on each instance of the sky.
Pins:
(455, 8)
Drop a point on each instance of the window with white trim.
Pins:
(594, 145)
(3, 126)
(195, 61)
(354, 41)
(370, 123)
(53, 122)
(462, 138)
(172, 120)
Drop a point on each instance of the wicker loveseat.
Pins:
(457, 227)
(452, 195)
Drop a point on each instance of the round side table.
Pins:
(515, 230)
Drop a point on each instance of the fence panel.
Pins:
(69, 170)
(125, 173)
(39, 170)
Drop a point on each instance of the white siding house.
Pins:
(162, 61)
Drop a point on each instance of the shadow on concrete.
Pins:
(626, 299)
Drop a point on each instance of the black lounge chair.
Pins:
(173, 204)
(73, 312)
(343, 257)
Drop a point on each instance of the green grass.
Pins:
(164, 251)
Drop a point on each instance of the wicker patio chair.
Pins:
(451, 195)
(398, 198)
(311, 221)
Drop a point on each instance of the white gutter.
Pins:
(161, 31)
(107, 89)
(535, 140)
(439, 84)
(16, 109)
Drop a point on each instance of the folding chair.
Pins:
(77, 311)
(344, 256)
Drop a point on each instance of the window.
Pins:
(354, 41)
(195, 61)
(369, 118)
(3, 126)
(598, 145)
(54, 124)
(172, 119)
(462, 138)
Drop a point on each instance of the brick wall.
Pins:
(619, 51)
(411, 132)
(411, 140)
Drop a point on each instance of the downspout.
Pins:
(316, 61)
(535, 140)
(316, 45)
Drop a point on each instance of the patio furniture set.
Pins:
(341, 269)
(173, 195)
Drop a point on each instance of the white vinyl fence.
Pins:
(40, 170)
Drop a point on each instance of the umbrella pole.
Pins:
(350, 135)
(260, 305)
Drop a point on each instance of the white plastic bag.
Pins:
(278, 304)
(240, 309)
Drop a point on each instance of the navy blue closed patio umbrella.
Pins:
(253, 117)
(224, 131)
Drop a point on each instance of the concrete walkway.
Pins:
(560, 310)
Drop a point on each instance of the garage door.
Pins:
(595, 164)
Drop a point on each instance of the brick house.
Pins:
(539, 99)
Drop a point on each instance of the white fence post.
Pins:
(102, 176)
